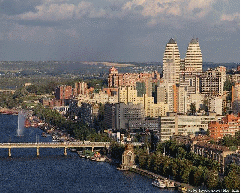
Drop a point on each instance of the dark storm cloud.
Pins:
(15, 7)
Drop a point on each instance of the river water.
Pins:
(52, 172)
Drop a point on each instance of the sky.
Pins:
(117, 30)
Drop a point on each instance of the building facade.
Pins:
(63, 92)
(193, 59)
(171, 62)
(228, 125)
(127, 112)
(175, 124)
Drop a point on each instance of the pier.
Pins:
(64, 145)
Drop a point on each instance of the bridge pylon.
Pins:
(37, 151)
(9, 152)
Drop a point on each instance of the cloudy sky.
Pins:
(117, 30)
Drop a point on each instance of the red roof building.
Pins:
(227, 126)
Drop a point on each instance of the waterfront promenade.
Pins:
(152, 175)
(64, 145)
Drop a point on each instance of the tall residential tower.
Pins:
(171, 62)
(193, 60)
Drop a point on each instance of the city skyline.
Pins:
(117, 31)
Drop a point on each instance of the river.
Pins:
(52, 172)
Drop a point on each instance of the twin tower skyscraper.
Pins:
(173, 65)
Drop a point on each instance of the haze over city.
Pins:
(104, 30)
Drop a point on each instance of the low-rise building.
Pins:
(228, 125)
(151, 124)
(175, 124)
(214, 152)
(128, 157)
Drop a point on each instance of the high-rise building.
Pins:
(236, 98)
(167, 93)
(216, 105)
(63, 92)
(128, 112)
(212, 82)
(171, 62)
(193, 60)
(116, 79)
(109, 115)
(80, 88)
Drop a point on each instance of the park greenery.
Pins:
(78, 130)
(116, 151)
(230, 141)
(228, 87)
(178, 163)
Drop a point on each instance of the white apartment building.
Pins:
(182, 100)
(171, 62)
(216, 105)
(193, 60)
(175, 124)
(165, 94)
(128, 94)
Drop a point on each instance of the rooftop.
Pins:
(212, 146)
(194, 41)
(172, 41)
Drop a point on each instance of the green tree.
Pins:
(196, 177)
(211, 179)
(116, 151)
(193, 108)
(181, 153)
(228, 85)
(151, 162)
(232, 178)
(143, 160)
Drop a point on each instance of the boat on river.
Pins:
(159, 183)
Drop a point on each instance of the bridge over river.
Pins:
(64, 145)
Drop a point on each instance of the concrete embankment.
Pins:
(8, 111)
(157, 176)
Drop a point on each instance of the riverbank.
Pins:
(8, 111)
(157, 176)
(53, 172)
